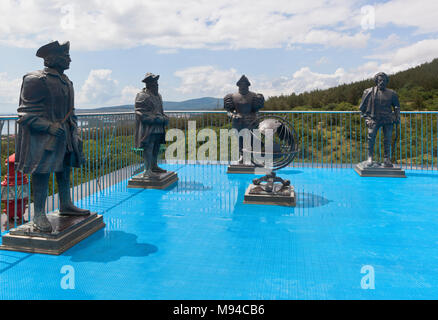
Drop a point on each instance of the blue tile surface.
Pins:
(199, 241)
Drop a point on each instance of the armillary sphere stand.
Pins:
(270, 179)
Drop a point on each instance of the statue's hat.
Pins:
(53, 48)
(150, 77)
(243, 79)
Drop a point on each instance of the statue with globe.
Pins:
(275, 144)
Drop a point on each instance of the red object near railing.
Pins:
(14, 190)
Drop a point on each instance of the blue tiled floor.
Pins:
(199, 241)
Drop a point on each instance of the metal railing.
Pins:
(339, 138)
(327, 139)
(110, 157)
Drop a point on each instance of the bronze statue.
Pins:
(380, 108)
(242, 107)
(48, 139)
(150, 124)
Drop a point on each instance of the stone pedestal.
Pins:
(378, 170)
(241, 168)
(67, 231)
(256, 195)
(162, 181)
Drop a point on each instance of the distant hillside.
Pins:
(195, 104)
(206, 103)
(417, 89)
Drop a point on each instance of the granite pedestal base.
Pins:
(162, 181)
(378, 170)
(67, 231)
(256, 195)
(241, 168)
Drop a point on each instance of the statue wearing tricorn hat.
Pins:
(48, 138)
(242, 108)
(48, 142)
(150, 134)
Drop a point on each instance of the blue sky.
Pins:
(200, 48)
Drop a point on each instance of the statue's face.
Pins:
(61, 61)
(381, 82)
(153, 86)
(243, 87)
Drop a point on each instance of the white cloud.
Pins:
(169, 24)
(389, 62)
(211, 81)
(127, 96)
(98, 89)
(9, 89)
(167, 51)
(390, 42)
(206, 81)
(304, 80)
(408, 56)
(322, 60)
(420, 14)
(334, 39)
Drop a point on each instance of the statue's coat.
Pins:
(46, 97)
(148, 108)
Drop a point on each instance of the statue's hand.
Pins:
(55, 129)
(147, 118)
(397, 117)
(370, 123)
(235, 115)
(165, 119)
(159, 119)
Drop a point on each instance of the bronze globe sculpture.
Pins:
(272, 189)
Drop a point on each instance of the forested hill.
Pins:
(417, 89)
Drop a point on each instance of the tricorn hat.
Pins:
(243, 79)
(53, 48)
(150, 77)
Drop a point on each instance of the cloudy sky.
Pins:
(201, 47)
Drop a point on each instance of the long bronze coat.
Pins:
(149, 111)
(46, 98)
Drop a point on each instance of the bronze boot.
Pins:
(66, 206)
